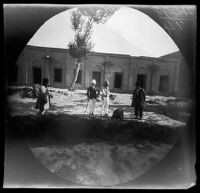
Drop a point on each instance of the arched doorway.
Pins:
(118, 77)
(96, 74)
(164, 82)
(36, 72)
(142, 77)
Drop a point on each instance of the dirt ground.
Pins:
(170, 111)
(98, 152)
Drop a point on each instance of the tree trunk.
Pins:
(78, 65)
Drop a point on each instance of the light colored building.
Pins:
(158, 75)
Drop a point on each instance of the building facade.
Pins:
(158, 75)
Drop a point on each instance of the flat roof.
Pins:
(108, 54)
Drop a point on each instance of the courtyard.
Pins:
(96, 151)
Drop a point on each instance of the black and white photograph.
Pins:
(99, 96)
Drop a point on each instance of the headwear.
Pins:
(107, 82)
(137, 83)
(45, 81)
(93, 81)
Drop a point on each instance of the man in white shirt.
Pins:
(105, 99)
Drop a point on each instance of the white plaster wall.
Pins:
(129, 66)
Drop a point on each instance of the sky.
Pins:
(128, 31)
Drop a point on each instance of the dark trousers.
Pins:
(138, 109)
(40, 105)
(41, 108)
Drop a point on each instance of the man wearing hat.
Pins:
(105, 98)
(92, 94)
(138, 100)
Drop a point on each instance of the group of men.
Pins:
(93, 93)
(138, 99)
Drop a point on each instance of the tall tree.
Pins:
(82, 20)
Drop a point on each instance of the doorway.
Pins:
(58, 75)
(164, 83)
(118, 80)
(37, 75)
(142, 79)
(97, 76)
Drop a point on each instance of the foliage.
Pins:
(82, 20)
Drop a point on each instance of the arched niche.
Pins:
(118, 77)
(118, 69)
(57, 72)
(36, 63)
(164, 81)
(142, 71)
(36, 72)
(97, 74)
(97, 68)
(164, 73)
(142, 77)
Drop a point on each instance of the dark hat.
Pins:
(138, 83)
(107, 82)
(45, 81)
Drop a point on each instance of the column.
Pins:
(65, 70)
(176, 84)
(129, 72)
(106, 69)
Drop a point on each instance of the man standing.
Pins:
(92, 94)
(105, 98)
(43, 97)
(138, 100)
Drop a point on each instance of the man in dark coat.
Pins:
(138, 100)
(42, 93)
(92, 94)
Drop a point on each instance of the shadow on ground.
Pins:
(65, 128)
(93, 151)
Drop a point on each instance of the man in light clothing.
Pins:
(92, 94)
(105, 98)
